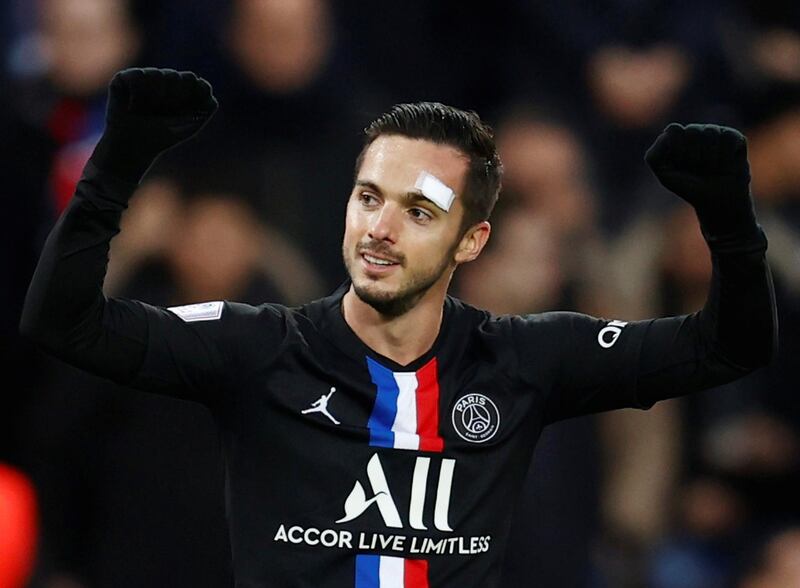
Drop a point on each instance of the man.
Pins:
(410, 475)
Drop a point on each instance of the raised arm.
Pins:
(707, 166)
(603, 365)
(148, 112)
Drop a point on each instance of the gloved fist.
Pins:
(707, 166)
(149, 111)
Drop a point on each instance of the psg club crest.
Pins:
(476, 418)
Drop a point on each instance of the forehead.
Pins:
(395, 162)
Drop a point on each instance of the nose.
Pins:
(384, 224)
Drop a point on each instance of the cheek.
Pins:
(351, 225)
(437, 240)
(427, 250)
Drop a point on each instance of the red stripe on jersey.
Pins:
(428, 408)
(416, 574)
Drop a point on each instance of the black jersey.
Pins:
(342, 463)
(345, 469)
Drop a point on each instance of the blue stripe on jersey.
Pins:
(385, 409)
(367, 571)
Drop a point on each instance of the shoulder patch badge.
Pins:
(205, 311)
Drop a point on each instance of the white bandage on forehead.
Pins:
(435, 190)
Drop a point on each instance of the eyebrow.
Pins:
(412, 197)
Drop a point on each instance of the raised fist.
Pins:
(179, 102)
(706, 165)
(149, 111)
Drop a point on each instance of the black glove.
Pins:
(149, 111)
(707, 166)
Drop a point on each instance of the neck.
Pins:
(400, 338)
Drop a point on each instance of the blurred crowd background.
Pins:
(102, 486)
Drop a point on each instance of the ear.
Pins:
(473, 242)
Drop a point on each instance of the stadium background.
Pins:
(101, 486)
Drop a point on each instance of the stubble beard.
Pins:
(394, 304)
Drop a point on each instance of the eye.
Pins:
(367, 198)
(420, 214)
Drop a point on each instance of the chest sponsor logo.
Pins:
(610, 333)
(321, 406)
(476, 418)
(357, 501)
(422, 540)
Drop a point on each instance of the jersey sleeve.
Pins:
(200, 351)
(585, 364)
(592, 364)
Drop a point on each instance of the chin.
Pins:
(386, 302)
(392, 301)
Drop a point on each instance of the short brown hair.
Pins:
(461, 129)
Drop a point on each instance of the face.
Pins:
(398, 245)
(282, 46)
(87, 41)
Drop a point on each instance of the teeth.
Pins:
(377, 261)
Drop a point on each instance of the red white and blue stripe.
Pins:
(406, 410)
(383, 571)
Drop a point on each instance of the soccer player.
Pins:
(408, 474)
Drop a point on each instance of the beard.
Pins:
(399, 302)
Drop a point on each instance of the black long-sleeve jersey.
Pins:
(345, 469)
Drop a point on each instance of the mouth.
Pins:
(377, 264)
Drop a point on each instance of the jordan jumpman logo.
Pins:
(321, 405)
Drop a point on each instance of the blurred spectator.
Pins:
(636, 88)
(281, 46)
(209, 246)
(758, 455)
(212, 252)
(79, 44)
(774, 152)
(546, 253)
(702, 551)
(634, 66)
(760, 43)
(147, 230)
(83, 42)
(753, 444)
(780, 563)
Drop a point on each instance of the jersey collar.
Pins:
(340, 333)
